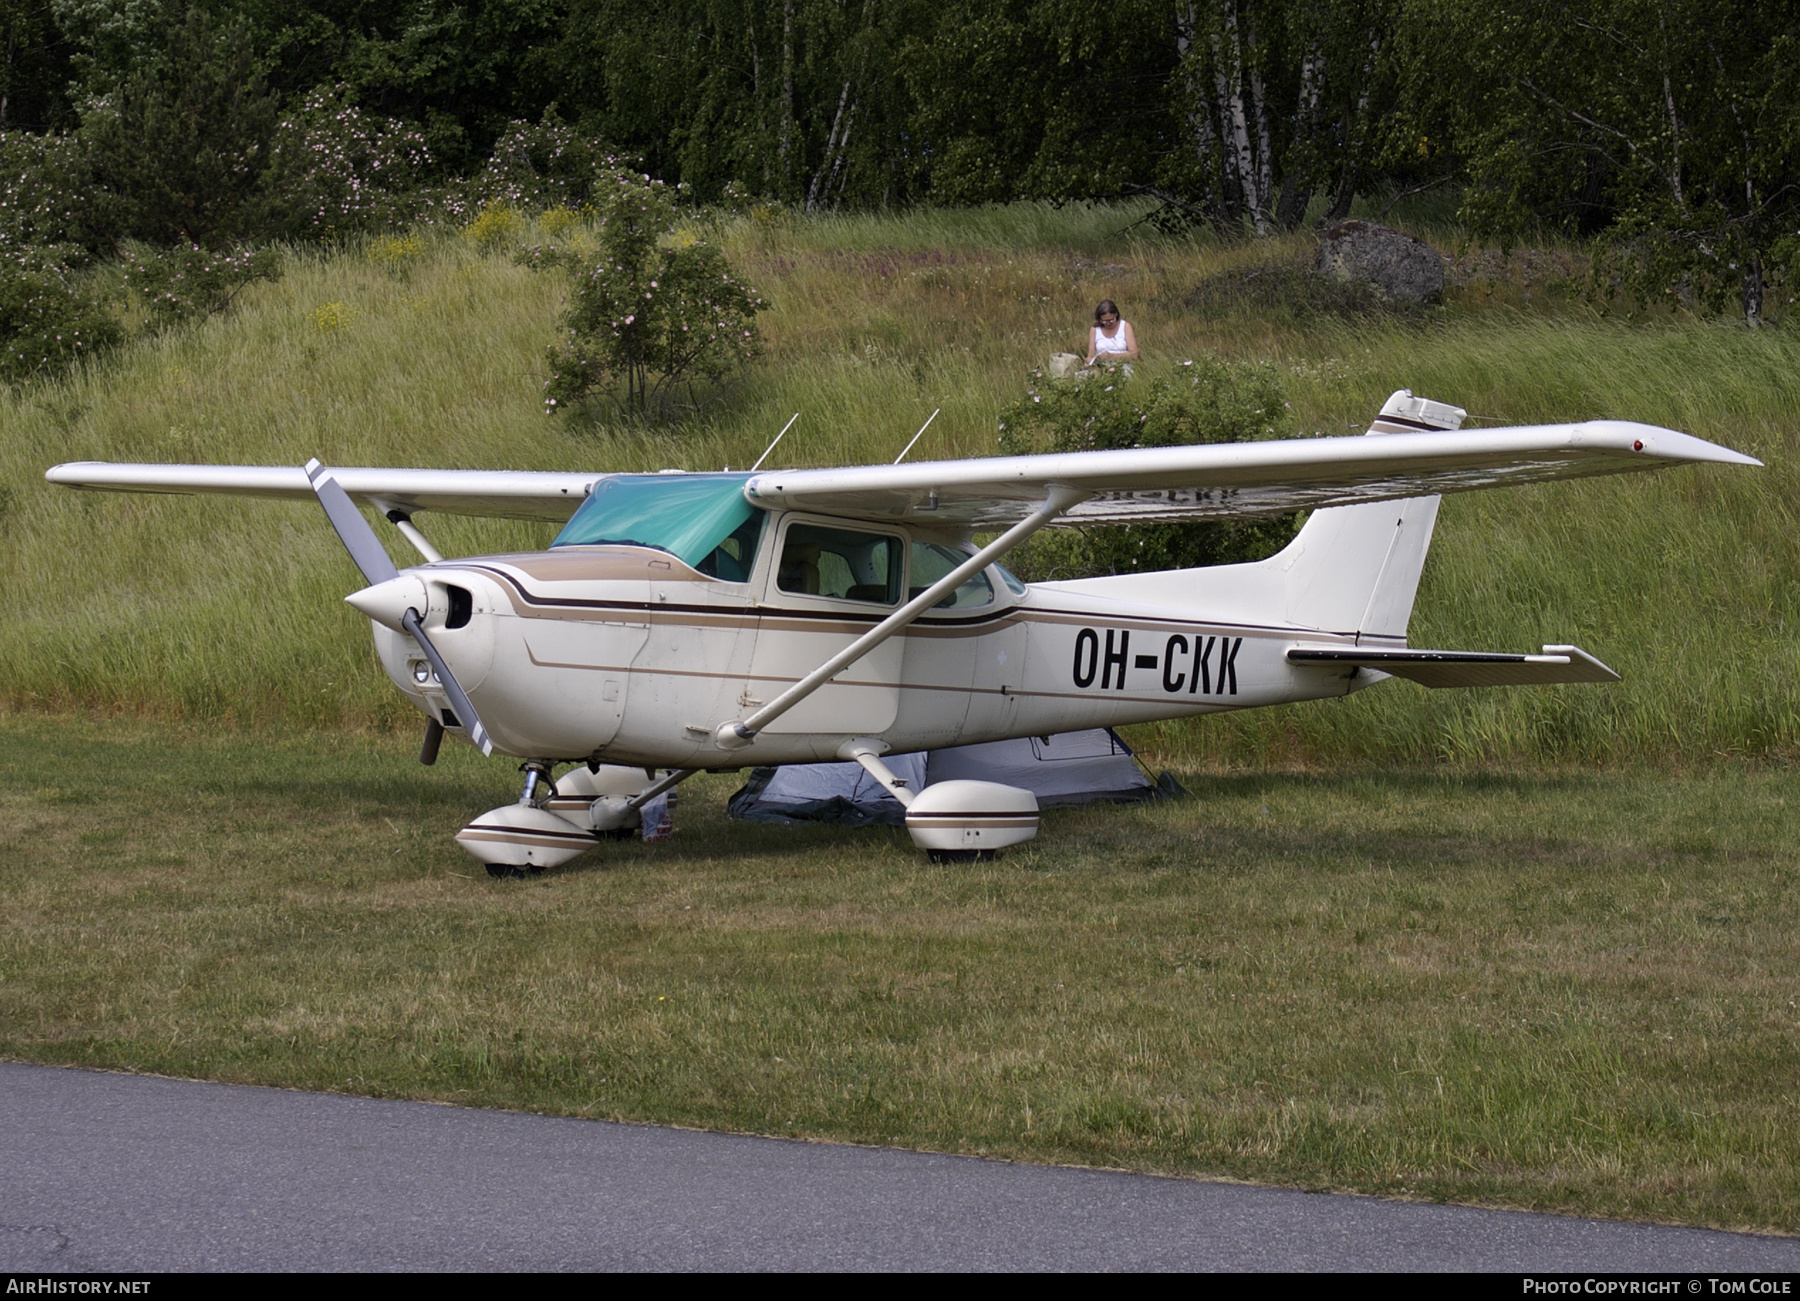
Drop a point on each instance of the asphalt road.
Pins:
(132, 1173)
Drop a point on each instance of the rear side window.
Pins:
(930, 562)
(840, 563)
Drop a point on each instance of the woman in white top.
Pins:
(1112, 338)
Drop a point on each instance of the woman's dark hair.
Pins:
(1106, 305)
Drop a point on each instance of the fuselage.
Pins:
(630, 655)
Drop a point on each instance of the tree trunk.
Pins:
(1353, 132)
(756, 94)
(1753, 291)
(786, 151)
(1240, 148)
(1265, 161)
(1297, 182)
(1200, 116)
(12, 46)
(817, 194)
(1231, 208)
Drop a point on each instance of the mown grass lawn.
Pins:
(1569, 990)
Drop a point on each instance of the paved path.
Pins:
(122, 1172)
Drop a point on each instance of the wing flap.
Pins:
(1439, 668)
(505, 494)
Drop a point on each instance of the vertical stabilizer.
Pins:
(1355, 569)
(1352, 570)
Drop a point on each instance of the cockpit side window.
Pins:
(840, 563)
(932, 561)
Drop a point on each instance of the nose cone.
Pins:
(386, 603)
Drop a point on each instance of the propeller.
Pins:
(376, 565)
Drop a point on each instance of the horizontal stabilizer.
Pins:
(1441, 668)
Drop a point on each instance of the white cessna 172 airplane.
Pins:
(702, 621)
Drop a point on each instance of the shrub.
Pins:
(47, 319)
(186, 283)
(546, 165)
(337, 170)
(494, 225)
(557, 221)
(1208, 400)
(650, 310)
(332, 318)
(46, 191)
(397, 253)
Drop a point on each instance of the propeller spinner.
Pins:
(385, 583)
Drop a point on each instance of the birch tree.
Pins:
(1278, 101)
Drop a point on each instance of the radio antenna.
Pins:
(771, 447)
(916, 437)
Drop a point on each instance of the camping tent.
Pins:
(1068, 768)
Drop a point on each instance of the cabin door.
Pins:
(829, 585)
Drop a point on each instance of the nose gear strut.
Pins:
(537, 773)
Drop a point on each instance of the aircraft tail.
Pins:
(1355, 569)
(1351, 570)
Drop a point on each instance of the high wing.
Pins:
(1235, 479)
(1152, 483)
(503, 494)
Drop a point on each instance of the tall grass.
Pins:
(218, 609)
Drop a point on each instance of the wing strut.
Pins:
(737, 735)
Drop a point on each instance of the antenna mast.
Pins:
(916, 437)
(771, 447)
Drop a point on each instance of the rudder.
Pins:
(1355, 569)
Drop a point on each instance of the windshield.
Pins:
(701, 519)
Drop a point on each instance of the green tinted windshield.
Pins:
(702, 519)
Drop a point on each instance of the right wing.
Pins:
(504, 494)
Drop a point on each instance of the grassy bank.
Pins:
(1560, 990)
(182, 608)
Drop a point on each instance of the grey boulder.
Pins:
(1398, 265)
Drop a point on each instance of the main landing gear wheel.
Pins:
(957, 855)
(509, 872)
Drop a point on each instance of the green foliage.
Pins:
(183, 284)
(47, 319)
(1672, 132)
(656, 308)
(180, 149)
(37, 71)
(1207, 400)
(336, 170)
